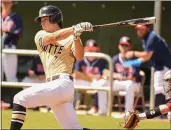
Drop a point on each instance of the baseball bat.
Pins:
(132, 22)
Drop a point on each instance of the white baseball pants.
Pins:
(9, 66)
(159, 82)
(129, 86)
(57, 94)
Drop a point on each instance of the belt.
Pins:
(57, 77)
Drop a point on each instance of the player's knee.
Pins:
(130, 85)
(102, 83)
(19, 99)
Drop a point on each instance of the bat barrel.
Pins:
(132, 22)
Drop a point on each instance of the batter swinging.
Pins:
(58, 48)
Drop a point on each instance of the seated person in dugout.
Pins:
(36, 72)
(125, 79)
(89, 69)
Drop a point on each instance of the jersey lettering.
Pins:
(56, 58)
(54, 49)
(50, 47)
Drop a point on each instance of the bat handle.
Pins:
(96, 26)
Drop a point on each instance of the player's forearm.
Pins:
(116, 77)
(128, 78)
(58, 35)
(139, 53)
(146, 55)
(162, 109)
(95, 76)
(78, 50)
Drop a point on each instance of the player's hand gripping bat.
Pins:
(132, 22)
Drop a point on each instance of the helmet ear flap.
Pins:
(56, 18)
(53, 18)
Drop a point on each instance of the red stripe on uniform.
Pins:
(169, 106)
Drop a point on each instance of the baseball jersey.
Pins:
(37, 66)
(161, 53)
(90, 67)
(131, 71)
(12, 24)
(56, 58)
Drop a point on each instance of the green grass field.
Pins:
(46, 121)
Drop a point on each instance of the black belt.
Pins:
(57, 77)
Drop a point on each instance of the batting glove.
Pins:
(77, 30)
(81, 27)
(86, 26)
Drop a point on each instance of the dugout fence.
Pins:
(78, 87)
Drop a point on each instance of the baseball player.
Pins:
(161, 109)
(11, 32)
(58, 48)
(133, 118)
(157, 52)
(125, 79)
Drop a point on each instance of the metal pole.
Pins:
(157, 14)
(152, 97)
(110, 92)
(157, 27)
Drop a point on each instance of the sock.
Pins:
(153, 113)
(18, 116)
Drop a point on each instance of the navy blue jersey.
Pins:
(37, 66)
(131, 71)
(87, 67)
(12, 24)
(161, 53)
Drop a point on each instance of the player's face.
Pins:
(91, 49)
(7, 4)
(124, 48)
(141, 32)
(45, 23)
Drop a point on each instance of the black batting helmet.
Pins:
(54, 13)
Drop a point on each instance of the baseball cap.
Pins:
(91, 44)
(125, 41)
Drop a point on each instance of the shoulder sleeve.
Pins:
(115, 60)
(151, 42)
(15, 25)
(77, 65)
(102, 66)
(38, 39)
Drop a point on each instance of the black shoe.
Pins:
(86, 129)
